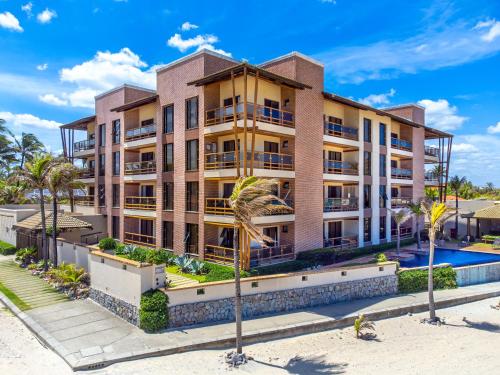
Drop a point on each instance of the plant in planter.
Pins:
(160, 256)
(153, 311)
(197, 267)
(26, 256)
(107, 243)
(184, 263)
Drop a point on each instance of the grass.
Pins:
(480, 246)
(176, 270)
(14, 298)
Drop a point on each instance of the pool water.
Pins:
(456, 258)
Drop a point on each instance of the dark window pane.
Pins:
(168, 157)
(383, 132)
(367, 229)
(101, 190)
(102, 164)
(116, 195)
(368, 163)
(115, 230)
(367, 195)
(116, 163)
(168, 235)
(192, 196)
(102, 135)
(168, 196)
(116, 131)
(383, 196)
(191, 239)
(192, 155)
(367, 123)
(192, 113)
(382, 227)
(383, 165)
(168, 119)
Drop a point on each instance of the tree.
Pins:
(416, 209)
(7, 154)
(26, 146)
(61, 178)
(431, 193)
(435, 214)
(35, 174)
(12, 193)
(490, 187)
(251, 197)
(455, 185)
(399, 216)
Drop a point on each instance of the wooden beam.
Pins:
(235, 127)
(245, 112)
(254, 125)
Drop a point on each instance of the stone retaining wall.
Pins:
(117, 306)
(477, 274)
(281, 301)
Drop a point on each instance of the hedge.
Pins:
(153, 311)
(107, 243)
(7, 248)
(411, 281)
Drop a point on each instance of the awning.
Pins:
(64, 222)
(492, 212)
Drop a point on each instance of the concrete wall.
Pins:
(478, 274)
(77, 254)
(11, 215)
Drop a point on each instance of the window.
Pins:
(368, 163)
(383, 196)
(382, 227)
(115, 226)
(116, 163)
(191, 239)
(168, 196)
(382, 165)
(102, 164)
(115, 132)
(168, 157)
(367, 229)
(367, 194)
(192, 155)
(101, 198)
(102, 135)
(383, 132)
(168, 119)
(116, 195)
(229, 101)
(192, 196)
(367, 126)
(192, 113)
(167, 238)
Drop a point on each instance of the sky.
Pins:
(55, 56)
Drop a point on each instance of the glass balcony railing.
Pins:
(400, 202)
(221, 206)
(405, 174)
(140, 239)
(404, 232)
(340, 204)
(84, 200)
(339, 167)
(87, 144)
(86, 173)
(140, 203)
(261, 160)
(337, 130)
(140, 133)
(341, 243)
(431, 151)
(140, 167)
(401, 144)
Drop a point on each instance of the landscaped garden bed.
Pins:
(7, 248)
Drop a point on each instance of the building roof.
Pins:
(124, 86)
(80, 124)
(136, 103)
(193, 55)
(64, 222)
(225, 74)
(492, 212)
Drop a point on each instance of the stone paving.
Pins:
(179, 280)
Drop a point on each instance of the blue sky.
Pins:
(56, 55)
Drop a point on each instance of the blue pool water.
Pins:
(456, 258)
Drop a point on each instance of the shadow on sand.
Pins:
(310, 365)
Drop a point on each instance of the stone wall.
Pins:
(281, 301)
(477, 274)
(117, 306)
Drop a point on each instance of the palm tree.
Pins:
(431, 193)
(435, 214)
(251, 197)
(399, 216)
(490, 187)
(12, 193)
(26, 146)
(60, 179)
(7, 154)
(35, 174)
(455, 185)
(416, 209)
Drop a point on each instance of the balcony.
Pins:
(401, 144)
(140, 167)
(140, 133)
(341, 131)
(339, 167)
(431, 151)
(340, 204)
(400, 202)
(341, 243)
(258, 256)
(221, 206)
(84, 148)
(403, 174)
(84, 200)
(140, 203)
(264, 114)
(85, 173)
(431, 178)
(404, 232)
(140, 239)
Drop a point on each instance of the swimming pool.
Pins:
(457, 258)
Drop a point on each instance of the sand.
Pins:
(467, 344)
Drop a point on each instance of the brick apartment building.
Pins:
(161, 164)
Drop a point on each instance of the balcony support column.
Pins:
(235, 127)
(245, 131)
(254, 125)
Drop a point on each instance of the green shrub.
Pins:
(411, 281)
(381, 258)
(153, 311)
(107, 243)
(26, 256)
(139, 254)
(217, 272)
(7, 248)
(159, 256)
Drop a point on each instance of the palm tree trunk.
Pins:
(237, 286)
(419, 244)
(45, 248)
(456, 217)
(54, 228)
(430, 281)
(398, 241)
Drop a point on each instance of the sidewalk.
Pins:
(88, 336)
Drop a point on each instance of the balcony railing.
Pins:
(84, 200)
(404, 232)
(431, 151)
(339, 167)
(341, 243)
(261, 160)
(87, 144)
(140, 203)
(219, 254)
(264, 114)
(221, 206)
(340, 204)
(140, 167)
(258, 256)
(337, 130)
(86, 173)
(431, 176)
(140, 239)
(401, 144)
(140, 133)
(400, 202)
(405, 174)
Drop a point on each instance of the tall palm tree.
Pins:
(455, 184)
(7, 154)
(416, 209)
(26, 146)
(400, 217)
(12, 193)
(60, 179)
(436, 214)
(35, 175)
(251, 197)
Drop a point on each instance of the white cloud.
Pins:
(464, 148)
(199, 41)
(53, 100)
(42, 67)
(10, 22)
(433, 48)
(441, 115)
(27, 120)
(27, 8)
(494, 129)
(46, 16)
(186, 26)
(378, 99)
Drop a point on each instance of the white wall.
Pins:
(11, 215)
(68, 252)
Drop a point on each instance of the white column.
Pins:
(389, 182)
(375, 182)
(361, 180)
